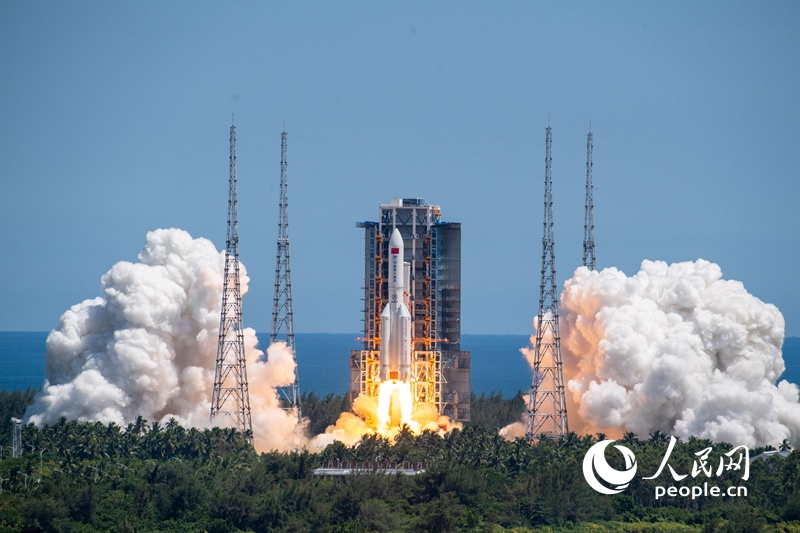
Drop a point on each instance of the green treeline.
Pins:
(493, 411)
(86, 477)
(13, 403)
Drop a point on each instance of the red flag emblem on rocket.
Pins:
(395, 250)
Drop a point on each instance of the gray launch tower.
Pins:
(547, 409)
(230, 376)
(433, 253)
(282, 314)
(588, 216)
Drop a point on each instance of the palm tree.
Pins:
(140, 426)
(113, 437)
(631, 439)
(68, 464)
(658, 437)
(785, 446)
(371, 446)
(193, 444)
(520, 456)
(429, 440)
(571, 440)
(335, 451)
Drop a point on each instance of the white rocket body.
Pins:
(395, 319)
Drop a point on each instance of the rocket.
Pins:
(395, 319)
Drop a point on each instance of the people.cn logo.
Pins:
(595, 466)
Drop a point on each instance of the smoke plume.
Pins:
(675, 348)
(148, 347)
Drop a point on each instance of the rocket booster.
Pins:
(395, 319)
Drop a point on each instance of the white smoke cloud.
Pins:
(148, 347)
(675, 348)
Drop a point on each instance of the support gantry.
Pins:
(547, 410)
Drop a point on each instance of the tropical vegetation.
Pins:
(147, 476)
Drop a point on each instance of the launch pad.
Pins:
(440, 370)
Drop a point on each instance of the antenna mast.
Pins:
(588, 217)
(547, 411)
(230, 376)
(282, 315)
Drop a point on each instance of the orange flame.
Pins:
(385, 414)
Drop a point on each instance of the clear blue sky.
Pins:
(114, 121)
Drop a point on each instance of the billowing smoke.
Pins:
(148, 347)
(675, 348)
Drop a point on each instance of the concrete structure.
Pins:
(16, 438)
(771, 453)
(346, 468)
(432, 249)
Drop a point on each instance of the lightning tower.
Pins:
(282, 315)
(588, 217)
(231, 396)
(547, 410)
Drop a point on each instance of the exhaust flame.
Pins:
(385, 414)
(396, 395)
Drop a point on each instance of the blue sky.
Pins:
(114, 121)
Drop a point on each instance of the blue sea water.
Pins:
(497, 364)
(21, 359)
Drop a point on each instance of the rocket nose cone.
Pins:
(396, 239)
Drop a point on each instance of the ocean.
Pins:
(497, 364)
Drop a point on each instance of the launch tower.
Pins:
(282, 315)
(588, 217)
(231, 396)
(547, 410)
(432, 252)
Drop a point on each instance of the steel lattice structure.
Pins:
(547, 411)
(230, 376)
(282, 315)
(588, 217)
